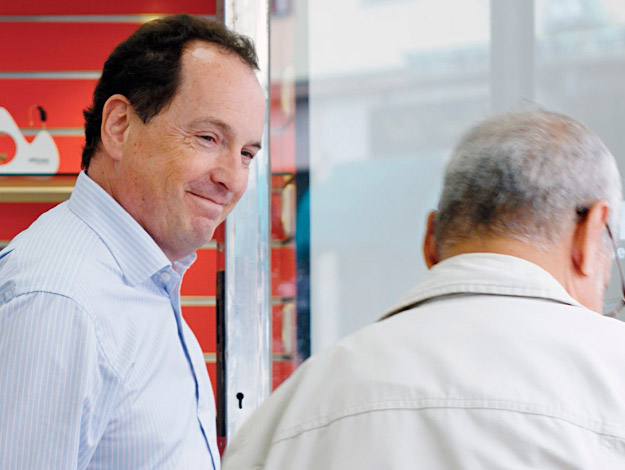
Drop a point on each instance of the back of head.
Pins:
(521, 175)
(145, 68)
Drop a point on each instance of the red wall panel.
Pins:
(202, 321)
(63, 101)
(17, 216)
(283, 271)
(282, 141)
(282, 147)
(111, 7)
(281, 372)
(70, 152)
(201, 278)
(40, 46)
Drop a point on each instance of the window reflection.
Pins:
(384, 90)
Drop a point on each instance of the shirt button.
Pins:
(165, 277)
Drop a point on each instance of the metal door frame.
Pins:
(246, 330)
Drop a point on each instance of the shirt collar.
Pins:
(485, 273)
(136, 252)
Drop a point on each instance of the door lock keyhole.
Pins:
(240, 398)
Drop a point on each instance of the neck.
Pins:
(556, 258)
(552, 257)
(100, 172)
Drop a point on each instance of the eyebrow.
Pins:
(224, 126)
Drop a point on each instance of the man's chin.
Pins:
(206, 233)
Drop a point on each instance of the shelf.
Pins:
(53, 188)
(211, 357)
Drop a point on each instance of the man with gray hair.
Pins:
(499, 357)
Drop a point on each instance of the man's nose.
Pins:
(229, 171)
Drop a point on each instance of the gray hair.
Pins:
(522, 175)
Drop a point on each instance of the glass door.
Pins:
(370, 97)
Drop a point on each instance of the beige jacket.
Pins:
(492, 366)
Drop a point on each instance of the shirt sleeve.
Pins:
(55, 386)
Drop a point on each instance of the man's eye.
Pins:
(247, 157)
(208, 138)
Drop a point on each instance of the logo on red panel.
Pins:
(18, 156)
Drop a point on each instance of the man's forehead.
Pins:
(202, 57)
(202, 50)
(213, 77)
(211, 53)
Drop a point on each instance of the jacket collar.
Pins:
(485, 273)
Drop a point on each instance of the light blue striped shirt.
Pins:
(98, 369)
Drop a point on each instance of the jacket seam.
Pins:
(586, 423)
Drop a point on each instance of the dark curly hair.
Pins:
(145, 68)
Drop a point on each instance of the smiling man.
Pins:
(98, 368)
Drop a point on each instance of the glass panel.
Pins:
(367, 99)
(384, 89)
(392, 86)
(289, 167)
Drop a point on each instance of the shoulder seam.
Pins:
(83, 309)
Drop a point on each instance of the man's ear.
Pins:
(430, 252)
(588, 239)
(115, 121)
